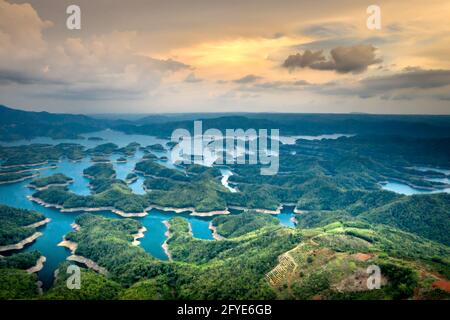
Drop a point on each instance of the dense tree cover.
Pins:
(57, 178)
(151, 168)
(116, 195)
(13, 224)
(16, 176)
(156, 183)
(100, 171)
(39, 153)
(104, 149)
(22, 260)
(108, 243)
(93, 286)
(153, 289)
(203, 194)
(17, 284)
(426, 215)
(95, 139)
(238, 225)
(130, 149)
(302, 124)
(18, 124)
(230, 269)
(131, 177)
(156, 147)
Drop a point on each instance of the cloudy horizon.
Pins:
(213, 56)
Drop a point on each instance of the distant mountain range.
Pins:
(18, 124)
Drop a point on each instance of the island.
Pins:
(57, 179)
(18, 227)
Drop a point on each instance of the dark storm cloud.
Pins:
(406, 85)
(19, 77)
(354, 59)
(412, 78)
(307, 59)
(247, 79)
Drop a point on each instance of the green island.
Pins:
(17, 226)
(57, 179)
(34, 154)
(263, 261)
(345, 218)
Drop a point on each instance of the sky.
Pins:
(144, 56)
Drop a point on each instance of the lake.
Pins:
(15, 195)
(402, 188)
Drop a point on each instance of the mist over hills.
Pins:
(18, 124)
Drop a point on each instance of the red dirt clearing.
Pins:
(362, 256)
(442, 284)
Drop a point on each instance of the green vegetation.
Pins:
(100, 171)
(16, 176)
(238, 225)
(426, 215)
(156, 147)
(131, 177)
(13, 224)
(17, 284)
(108, 242)
(104, 149)
(152, 289)
(57, 178)
(18, 124)
(39, 153)
(348, 222)
(116, 195)
(22, 260)
(151, 168)
(94, 287)
(130, 149)
(95, 139)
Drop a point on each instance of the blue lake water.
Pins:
(402, 188)
(15, 195)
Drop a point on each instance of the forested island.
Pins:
(345, 219)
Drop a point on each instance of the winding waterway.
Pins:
(15, 195)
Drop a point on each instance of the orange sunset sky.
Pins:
(225, 56)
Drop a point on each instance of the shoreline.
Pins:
(39, 223)
(38, 266)
(88, 263)
(80, 209)
(265, 211)
(413, 186)
(27, 170)
(190, 209)
(72, 246)
(147, 210)
(21, 244)
(26, 165)
(139, 235)
(66, 184)
(132, 180)
(165, 245)
(21, 179)
(216, 235)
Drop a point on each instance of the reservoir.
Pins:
(15, 195)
